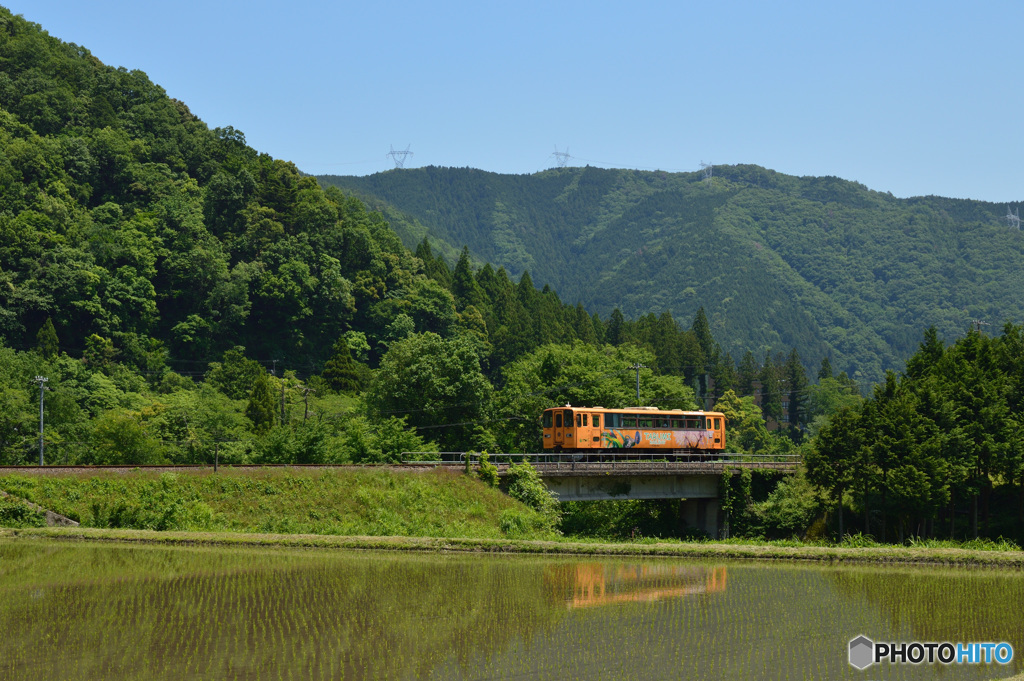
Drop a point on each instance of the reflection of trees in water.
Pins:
(589, 584)
(269, 614)
(942, 604)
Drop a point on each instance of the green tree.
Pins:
(47, 340)
(437, 385)
(235, 374)
(833, 461)
(341, 372)
(796, 389)
(262, 407)
(744, 424)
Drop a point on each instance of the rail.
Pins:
(608, 458)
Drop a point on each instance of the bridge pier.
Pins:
(702, 514)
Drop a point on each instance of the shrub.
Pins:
(17, 513)
(525, 485)
(487, 471)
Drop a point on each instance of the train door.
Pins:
(559, 439)
(588, 430)
(569, 433)
(595, 430)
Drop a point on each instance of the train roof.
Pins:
(638, 410)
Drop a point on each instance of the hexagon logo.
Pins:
(862, 652)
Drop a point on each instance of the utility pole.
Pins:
(282, 403)
(979, 323)
(637, 367)
(41, 380)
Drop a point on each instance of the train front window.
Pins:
(547, 419)
(584, 420)
(558, 420)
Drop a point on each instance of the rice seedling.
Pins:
(86, 611)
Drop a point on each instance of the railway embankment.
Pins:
(316, 501)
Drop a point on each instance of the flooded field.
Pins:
(86, 611)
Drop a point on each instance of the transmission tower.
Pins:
(399, 156)
(708, 172)
(561, 157)
(1013, 217)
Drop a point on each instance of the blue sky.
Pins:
(914, 98)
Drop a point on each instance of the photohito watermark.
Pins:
(864, 652)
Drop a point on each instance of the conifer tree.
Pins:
(615, 333)
(464, 286)
(47, 340)
(826, 369)
(747, 374)
(771, 394)
(703, 331)
(262, 406)
(796, 378)
(723, 374)
(341, 372)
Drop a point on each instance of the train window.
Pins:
(568, 419)
(678, 423)
(629, 422)
(547, 419)
(578, 418)
(597, 420)
(584, 420)
(646, 422)
(613, 421)
(558, 420)
(718, 424)
(691, 423)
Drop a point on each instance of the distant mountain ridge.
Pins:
(817, 263)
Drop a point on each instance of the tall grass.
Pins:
(371, 502)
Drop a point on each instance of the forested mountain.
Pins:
(186, 296)
(817, 263)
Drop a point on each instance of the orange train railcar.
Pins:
(633, 429)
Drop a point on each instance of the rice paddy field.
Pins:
(77, 610)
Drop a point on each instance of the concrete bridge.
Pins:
(631, 476)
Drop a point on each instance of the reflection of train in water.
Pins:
(583, 585)
(634, 429)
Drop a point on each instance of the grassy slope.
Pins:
(352, 502)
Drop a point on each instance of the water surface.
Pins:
(87, 611)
